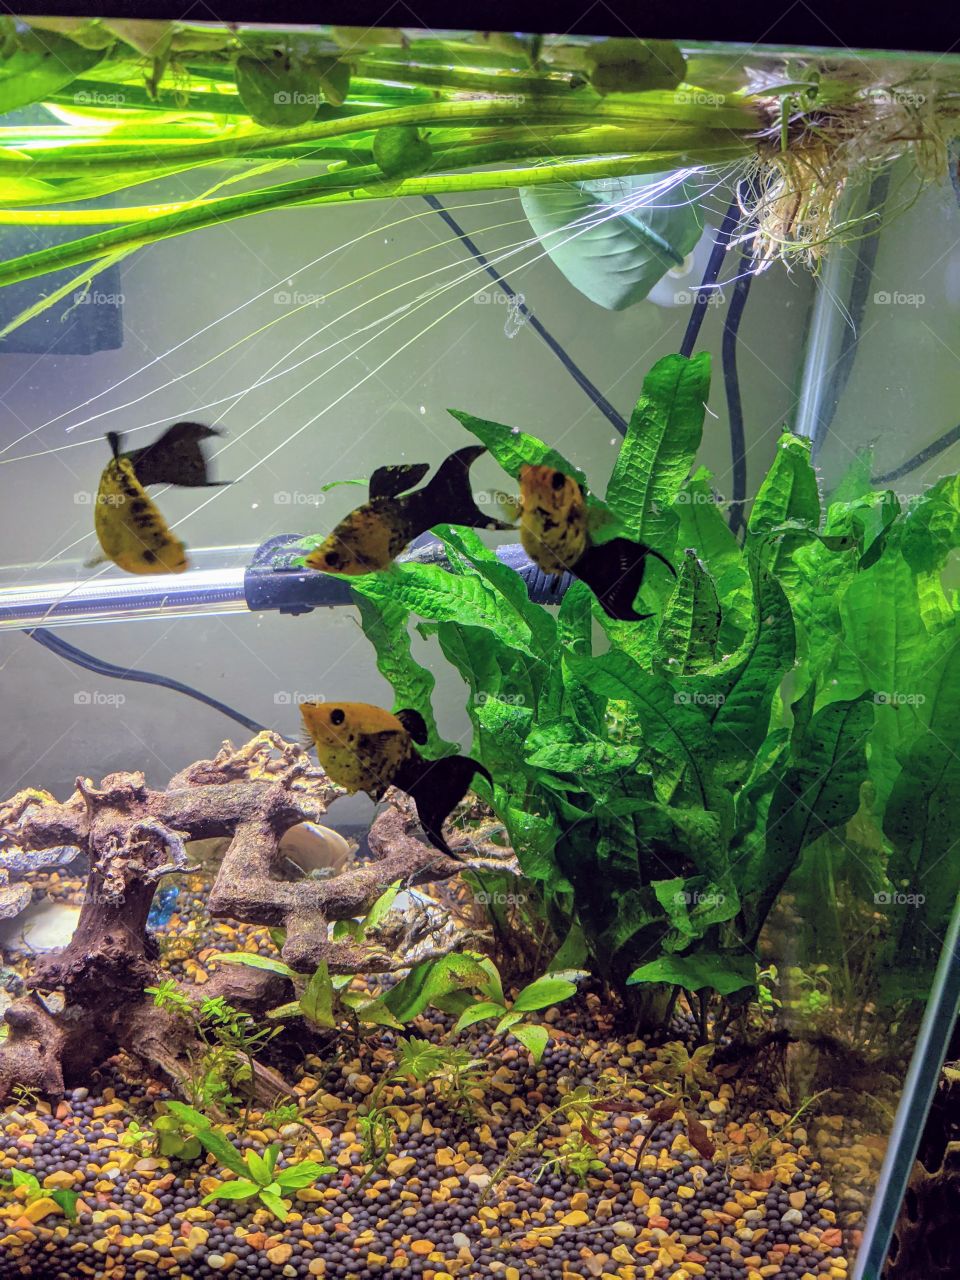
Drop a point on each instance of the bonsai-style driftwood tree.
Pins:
(133, 836)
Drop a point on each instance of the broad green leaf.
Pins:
(67, 1200)
(401, 150)
(736, 695)
(661, 442)
(381, 908)
(430, 979)
(723, 972)
(552, 748)
(788, 490)
(816, 795)
(439, 596)
(493, 985)
(506, 582)
(921, 815)
(238, 1189)
(277, 1206)
(676, 728)
(478, 1013)
(384, 623)
(931, 528)
(506, 1022)
(690, 626)
(316, 1002)
(251, 960)
(692, 906)
(703, 529)
(20, 1178)
(533, 1037)
(37, 64)
(303, 1174)
(260, 1170)
(614, 241)
(544, 992)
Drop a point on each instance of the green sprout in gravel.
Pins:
(512, 1015)
(256, 1175)
(66, 1199)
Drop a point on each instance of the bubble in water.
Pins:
(423, 408)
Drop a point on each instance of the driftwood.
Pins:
(133, 836)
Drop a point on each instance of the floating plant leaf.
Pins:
(620, 65)
(281, 92)
(401, 150)
(36, 64)
(610, 240)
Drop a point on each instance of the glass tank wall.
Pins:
(642, 1001)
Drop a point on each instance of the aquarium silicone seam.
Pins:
(919, 1088)
(579, 377)
(103, 668)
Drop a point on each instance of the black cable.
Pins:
(942, 442)
(717, 255)
(103, 668)
(579, 377)
(731, 386)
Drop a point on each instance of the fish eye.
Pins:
(558, 480)
(337, 716)
(332, 558)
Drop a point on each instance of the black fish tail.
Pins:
(436, 788)
(614, 573)
(448, 498)
(175, 458)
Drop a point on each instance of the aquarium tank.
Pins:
(479, 643)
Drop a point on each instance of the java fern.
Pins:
(666, 781)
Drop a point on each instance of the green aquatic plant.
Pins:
(666, 787)
(512, 1015)
(230, 1039)
(34, 1191)
(256, 1176)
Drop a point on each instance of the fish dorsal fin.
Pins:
(388, 482)
(113, 440)
(175, 458)
(414, 724)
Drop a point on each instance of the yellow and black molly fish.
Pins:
(372, 536)
(555, 532)
(130, 529)
(365, 748)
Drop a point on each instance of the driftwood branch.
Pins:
(132, 836)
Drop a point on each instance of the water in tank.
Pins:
(479, 655)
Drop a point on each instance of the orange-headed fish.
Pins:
(372, 536)
(365, 748)
(554, 530)
(130, 529)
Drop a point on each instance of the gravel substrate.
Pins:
(433, 1213)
